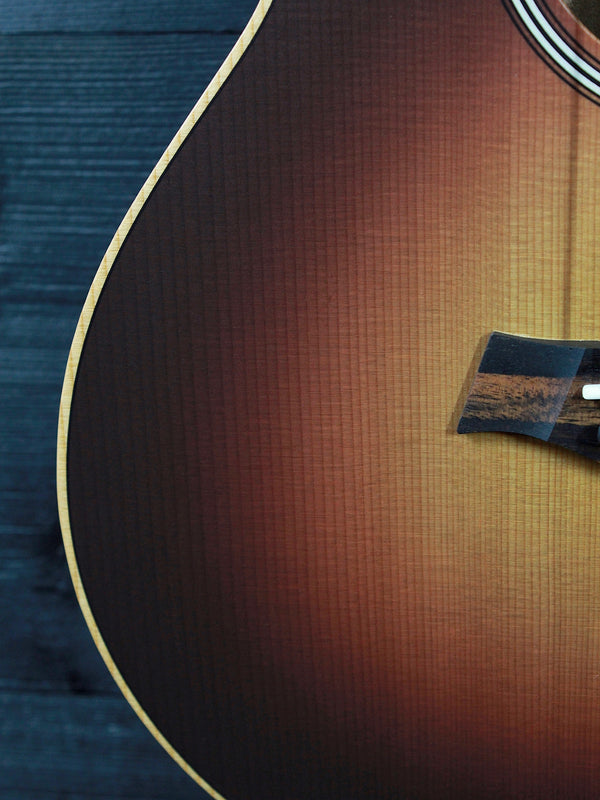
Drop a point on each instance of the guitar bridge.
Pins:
(543, 388)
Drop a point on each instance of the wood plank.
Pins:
(82, 122)
(39, 16)
(66, 746)
(45, 643)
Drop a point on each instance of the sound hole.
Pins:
(587, 12)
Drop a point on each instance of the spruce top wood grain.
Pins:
(305, 581)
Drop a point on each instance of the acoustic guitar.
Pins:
(306, 582)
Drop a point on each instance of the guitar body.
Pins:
(307, 584)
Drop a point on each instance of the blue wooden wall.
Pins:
(91, 92)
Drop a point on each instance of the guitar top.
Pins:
(304, 580)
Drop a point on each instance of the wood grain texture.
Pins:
(335, 595)
(51, 749)
(212, 17)
(522, 398)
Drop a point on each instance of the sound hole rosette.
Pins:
(563, 42)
